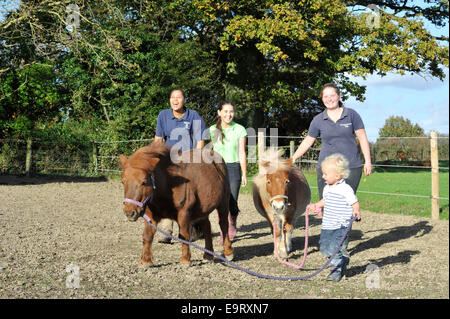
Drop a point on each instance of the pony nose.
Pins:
(279, 205)
(133, 214)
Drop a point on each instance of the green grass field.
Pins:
(410, 182)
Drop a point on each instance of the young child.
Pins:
(340, 204)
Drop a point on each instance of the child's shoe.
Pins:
(335, 274)
(345, 263)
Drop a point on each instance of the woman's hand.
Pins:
(367, 169)
(244, 181)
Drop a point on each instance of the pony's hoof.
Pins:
(146, 264)
(185, 262)
(230, 257)
(284, 254)
(208, 257)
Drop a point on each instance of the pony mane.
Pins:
(272, 159)
(141, 158)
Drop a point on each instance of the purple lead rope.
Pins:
(247, 270)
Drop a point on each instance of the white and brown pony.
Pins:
(280, 194)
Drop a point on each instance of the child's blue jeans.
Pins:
(329, 241)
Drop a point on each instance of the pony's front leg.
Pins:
(287, 234)
(277, 232)
(184, 223)
(281, 237)
(147, 240)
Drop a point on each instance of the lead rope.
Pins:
(250, 272)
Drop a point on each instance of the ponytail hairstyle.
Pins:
(333, 86)
(218, 133)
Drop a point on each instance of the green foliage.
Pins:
(397, 126)
(271, 57)
(129, 100)
(29, 95)
(12, 156)
(390, 146)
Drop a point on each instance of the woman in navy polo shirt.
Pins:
(181, 128)
(337, 127)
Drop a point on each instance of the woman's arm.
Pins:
(243, 160)
(365, 148)
(304, 146)
(200, 144)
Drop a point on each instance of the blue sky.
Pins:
(424, 101)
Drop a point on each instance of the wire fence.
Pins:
(100, 157)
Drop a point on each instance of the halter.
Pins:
(277, 197)
(145, 202)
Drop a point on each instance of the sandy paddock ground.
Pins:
(57, 234)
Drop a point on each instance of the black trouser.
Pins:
(352, 180)
(235, 178)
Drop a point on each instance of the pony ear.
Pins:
(153, 162)
(289, 161)
(123, 160)
(264, 167)
(264, 163)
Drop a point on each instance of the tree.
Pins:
(397, 126)
(271, 56)
(29, 95)
(116, 66)
(281, 52)
(395, 147)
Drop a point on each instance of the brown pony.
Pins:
(186, 191)
(280, 193)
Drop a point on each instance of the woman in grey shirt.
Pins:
(337, 127)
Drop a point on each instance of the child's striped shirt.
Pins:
(338, 209)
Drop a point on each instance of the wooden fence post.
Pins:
(434, 176)
(291, 148)
(94, 156)
(28, 157)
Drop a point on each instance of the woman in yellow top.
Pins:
(229, 140)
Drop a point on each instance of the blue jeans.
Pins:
(234, 176)
(329, 241)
